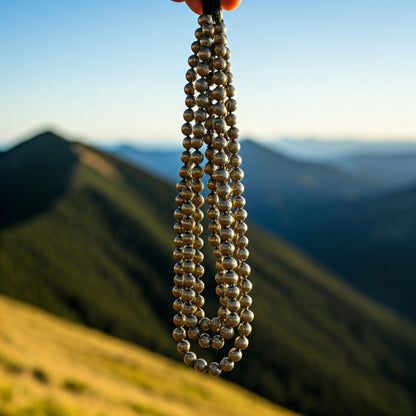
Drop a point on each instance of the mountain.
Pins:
(92, 373)
(377, 237)
(332, 212)
(328, 150)
(89, 237)
(278, 188)
(397, 170)
(164, 164)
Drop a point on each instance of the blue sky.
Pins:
(114, 70)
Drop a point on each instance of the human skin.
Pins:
(197, 5)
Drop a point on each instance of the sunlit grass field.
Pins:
(51, 367)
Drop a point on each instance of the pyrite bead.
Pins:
(219, 78)
(247, 315)
(245, 329)
(233, 133)
(217, 342)
(205, 41)
(226, 364)
(218, 93)
(241, 342)
(204, 341)
(235, 355)
(188, 280)
(179, 333)
(246, 286)
(193, 60)
(215, 324)
(183, 346)
(214, 369)
(205, 324)
(204, 53)
(200, 314)
(208, 30)
(231, 119)
(198, 33)
(191, 321)
(194, 332)
(177, 305)
(189, 358)
(202, 69)
(189, 89)
(220, 27)
(200, 365)
(199, 284)
(233, 305)
(191, 75)
(179, 319)
(200, 115)
(188, 115)
(226, 332)
(190, 101)
(188, 308)
(202, 100)
(232, 319)
(205, 19)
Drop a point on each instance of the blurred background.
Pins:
(91, 102)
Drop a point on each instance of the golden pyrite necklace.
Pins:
(209, 118)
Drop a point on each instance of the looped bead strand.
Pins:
(209, 119)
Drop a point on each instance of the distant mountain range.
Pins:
(89, 237)
(356, 215)
(328, 150)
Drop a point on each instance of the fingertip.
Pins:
(196, 6)
(230, 4)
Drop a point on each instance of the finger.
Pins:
(195, 5)
(230, 4)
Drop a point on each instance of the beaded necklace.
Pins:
(210, 119)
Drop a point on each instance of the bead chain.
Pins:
(212, 123)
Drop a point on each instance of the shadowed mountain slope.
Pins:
(100, 253)
(349, 221)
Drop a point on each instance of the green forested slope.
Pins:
(88, 237)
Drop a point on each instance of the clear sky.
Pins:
(108, 70)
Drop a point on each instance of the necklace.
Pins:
(210, 119)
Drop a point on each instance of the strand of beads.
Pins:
(210, 90)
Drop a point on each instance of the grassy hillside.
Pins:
(93, 243)
(51, 367)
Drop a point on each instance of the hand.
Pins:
(196, 5)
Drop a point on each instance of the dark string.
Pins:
(213, 7)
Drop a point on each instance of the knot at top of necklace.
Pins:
(213, 8)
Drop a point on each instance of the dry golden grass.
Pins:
(51, 367)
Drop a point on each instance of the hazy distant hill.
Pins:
(388, 170)
(87, 236)
(332, 212)
(328, 150)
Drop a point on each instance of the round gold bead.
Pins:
(214, 369)
(235, 355)
(204, 341)
(226, 364)
(200, 365)
(179, 333)
(189, 358)
(217, 342)
(183, 346)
